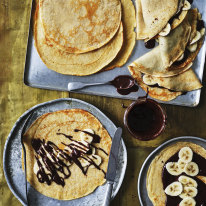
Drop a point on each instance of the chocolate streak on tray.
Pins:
(167, 179)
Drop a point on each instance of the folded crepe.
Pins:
(167, 58)
(166, 89)
(153, 15)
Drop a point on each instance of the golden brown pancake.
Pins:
(154, 175)
(79, 26)
(74, 64)
(53, 127)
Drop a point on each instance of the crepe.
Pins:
(154, 92)
(154, 175)
(46, 128)
(159, 62)
(74, 64)
(185, 82)
(80, 26)
(153, 16)
(129, 23)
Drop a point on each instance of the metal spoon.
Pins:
(115, 82)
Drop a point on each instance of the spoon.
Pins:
(122, 82)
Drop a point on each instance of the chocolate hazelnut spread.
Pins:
(168, 179)
(150, 44)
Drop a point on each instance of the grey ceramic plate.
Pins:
(13, 151)
(141, 185)
(38, 75)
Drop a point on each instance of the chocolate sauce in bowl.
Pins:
(167, 179)
(124, 84)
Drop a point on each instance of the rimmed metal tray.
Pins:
(141, 185)
(38, 75)
(13, 152)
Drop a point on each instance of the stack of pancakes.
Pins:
(165, 71)
(82, 37)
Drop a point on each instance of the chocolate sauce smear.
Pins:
(167, 179)
(125, 84)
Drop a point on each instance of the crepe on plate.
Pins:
(80, 26)
(154, 175)
(55, 127)
(154, 15)
(74, 64)
(172, 56)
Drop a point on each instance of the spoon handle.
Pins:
(80, 85)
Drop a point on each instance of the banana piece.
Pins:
(97, 160)
(181, 164)
(180, 58)
(187, 202)
(166, 30)
(173, 168)
(199, 16)
(174, 189)
(186, 154)
(192, 48)
(202, 31)
(86, 137)
(191, 169)
(188, 192)
(196, 38)
(187, 6)
(83, 162)
(187, 181)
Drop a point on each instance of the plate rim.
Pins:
(158, 149)
(47, 103)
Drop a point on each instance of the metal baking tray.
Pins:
(141, 185)
(38, 75)
(12, 163)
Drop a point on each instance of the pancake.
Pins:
(129, 23)
(74, 64)
(153, 16)
(154, 92)
(154, 175)
(62, 128)
(80, 26)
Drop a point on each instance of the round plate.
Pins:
(13, 152)
(141, 185)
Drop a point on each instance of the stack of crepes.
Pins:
(165, 71)
(82, 37)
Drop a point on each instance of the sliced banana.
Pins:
(187, 181)
(199, 16)
(147, 79)
(166, 30)
(192, 48)
(188, 192)
(202, 31)
(83, 162)
(196, 38)
(173, 168)
(191, 169)
(187, 6)
(97, 160)
(181, 57)
(174, 189)
(186, 154)
(181, 164)
(187, 202)
(86, 137)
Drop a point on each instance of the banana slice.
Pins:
(187, 6)
(97, 160)
(166, 30)
(202, 31)
(187, 181)
(199, 16)
(188, 192)
(181, 164)
(196, 38)
(180, 58)
(83, 162)
(173, 168)
(193, 47)
(191, 169)
(174, 189)
(187, 202)
(186, 154)
(86, 137)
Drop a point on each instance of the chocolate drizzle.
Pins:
(167, 179)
